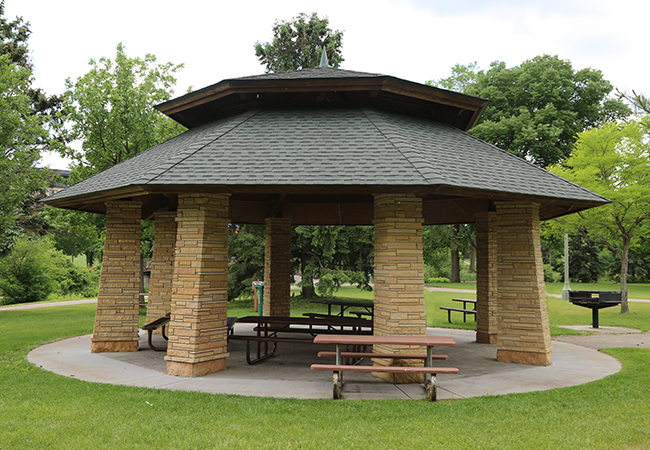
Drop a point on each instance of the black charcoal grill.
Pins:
(595, 300)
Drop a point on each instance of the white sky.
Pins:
(417, 40)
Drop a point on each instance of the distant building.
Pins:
(56, 186)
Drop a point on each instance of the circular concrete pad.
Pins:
(288, 374)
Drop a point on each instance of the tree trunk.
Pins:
(472, 261)
(455, 260)
(307, 283)
(624, 267)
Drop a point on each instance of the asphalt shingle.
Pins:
(330, 147)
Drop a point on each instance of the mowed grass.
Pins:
(40, 410)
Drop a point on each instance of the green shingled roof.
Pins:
(330, 147)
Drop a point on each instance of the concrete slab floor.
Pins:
(288, 374)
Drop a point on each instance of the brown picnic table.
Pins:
(270, 330)
(428, 370)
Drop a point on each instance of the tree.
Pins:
(75, 233)
(298, 44)
(20, 133)
(111, 113)
(111, 109)
(614, 161)
(334, 255)
(246, 258)
(640, 102)
(24, 130)
(537, 109)
(458, 238)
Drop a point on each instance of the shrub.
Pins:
(35, 269)
(25, 274)
(550, 275)
(436, 280)
(72, 279)
(437, 263)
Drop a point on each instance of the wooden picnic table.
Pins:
(344, 305)
(355, 340)
(268, 327)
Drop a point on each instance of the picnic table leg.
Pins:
(449, 315)
(430, 379)
(431, 386)
(337, 377)
(151, 344)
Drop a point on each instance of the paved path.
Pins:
(45, 305)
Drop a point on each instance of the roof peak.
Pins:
(323, 59)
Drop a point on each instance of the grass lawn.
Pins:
(41, 410)
(561, 312)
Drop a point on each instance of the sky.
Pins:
(417, 40)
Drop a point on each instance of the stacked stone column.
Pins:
(162, 266)
(197, 342)
(116, 319)
(486, 278)
(399, 276)
(523, 328)
(277, 268)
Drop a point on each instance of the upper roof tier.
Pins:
(324, 85)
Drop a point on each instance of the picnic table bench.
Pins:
(464, 309)
(428, 370)
(268, 327)
(162, 324)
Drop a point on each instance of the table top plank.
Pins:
(343, 303)
(324, 321)
(429, 341)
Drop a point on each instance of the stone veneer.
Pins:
(399, 276)
(162, 266)
(486, 278)
(523, 328)
(277, 268)
(197, 342)
(116, 319)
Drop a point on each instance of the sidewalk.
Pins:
(45, 305)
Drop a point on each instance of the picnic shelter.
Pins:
(320, 146)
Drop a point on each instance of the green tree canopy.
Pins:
(334, 255)
(297, 44)
(536, 109)
(111, 111)
(22, 134)
(612, 160)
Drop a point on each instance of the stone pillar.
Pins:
(523, 330)
(116, 319)
(197, 342)
(162, 266)
(399, 276)
(277, 268)
(486, 278)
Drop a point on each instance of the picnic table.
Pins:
(344, 305)
(268, 328)
(428, 370)
(465, 310)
